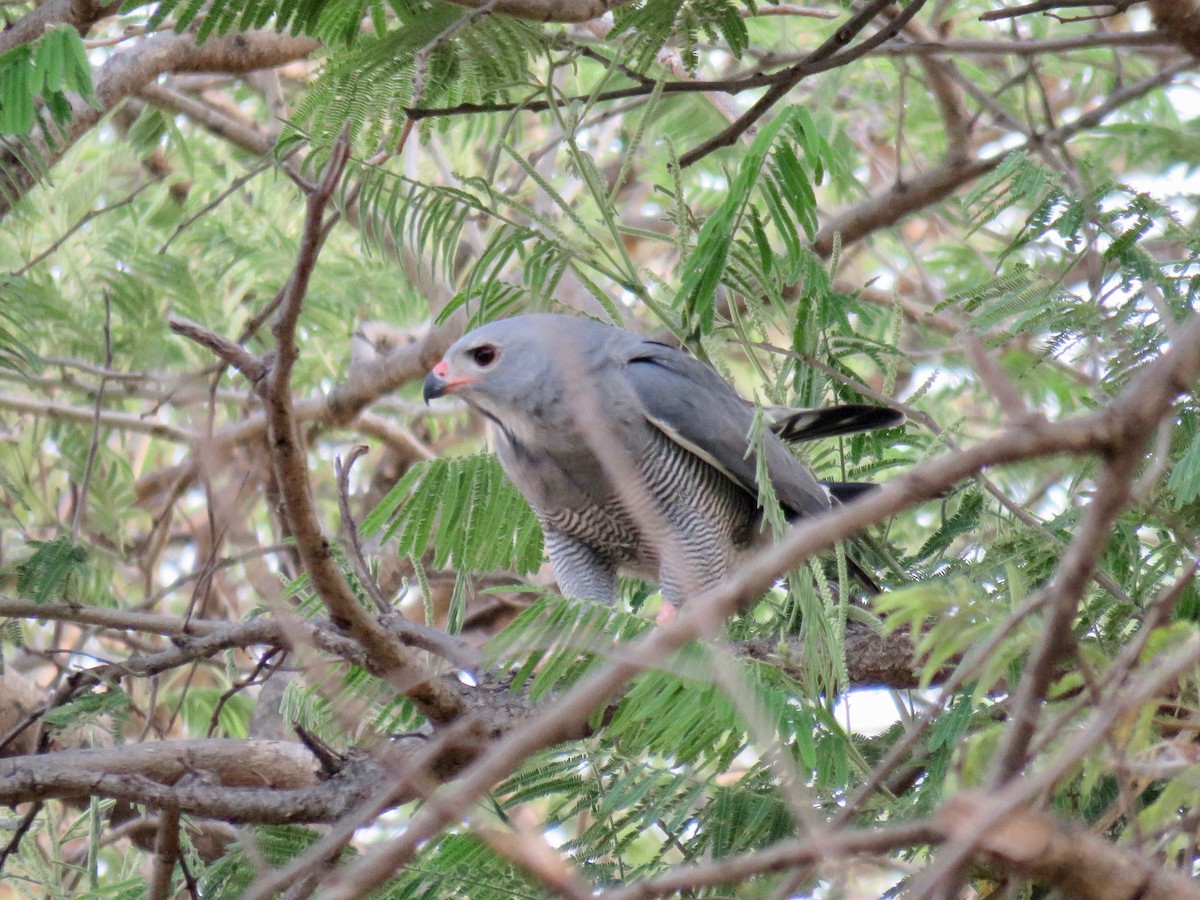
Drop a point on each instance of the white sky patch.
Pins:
(868, 711)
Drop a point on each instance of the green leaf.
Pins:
(45, 575)
(1184, 482)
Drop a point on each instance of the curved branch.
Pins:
(388, 657)
(126, 73)
(79, 14)
(939, 182)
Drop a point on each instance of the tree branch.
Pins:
(823, 58)
(939, 182)
(79, 14)
(128, 72)
(690, 878)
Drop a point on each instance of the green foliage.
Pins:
(15, 352)
(675, 731)
(952, 615)
(461, 865)
(1184, 482)
(319, 17)
(649, 24)
(734, 247)
(215, 711)
(436, 55)
(556, 641)
(232, 875)
(466, 510)
(35, 79)
(89, 709)
(47, 573)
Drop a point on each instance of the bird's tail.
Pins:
(795, 425)
(848, 491)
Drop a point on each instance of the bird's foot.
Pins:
(666, 614)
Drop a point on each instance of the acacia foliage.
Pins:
(498, 165)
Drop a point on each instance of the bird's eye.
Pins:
(484, 355)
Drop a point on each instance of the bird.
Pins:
(636, 457)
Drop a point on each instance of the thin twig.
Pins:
(823, 58)
(83, 220)
(1045, 6)
(356, 554)
(81, 501)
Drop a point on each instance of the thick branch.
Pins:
(230, 763)
(872, 659)
(128, 72)
(79, 14)
(238, 781)
(1073, 861)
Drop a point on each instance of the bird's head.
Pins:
(499, 368)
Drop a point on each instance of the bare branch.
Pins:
(86, 416)
(1025, 9)
(824, 57)
(939, 182)
(229, 352)
(79, 14)
(166, 854)
(785, 855)
(126, 73)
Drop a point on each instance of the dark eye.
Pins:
(484, 355)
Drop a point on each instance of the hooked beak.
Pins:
(437, 384)
(434, 386)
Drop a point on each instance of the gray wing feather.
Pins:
(693, 406)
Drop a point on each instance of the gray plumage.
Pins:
(634, 456)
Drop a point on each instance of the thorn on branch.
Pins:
(331, 761)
